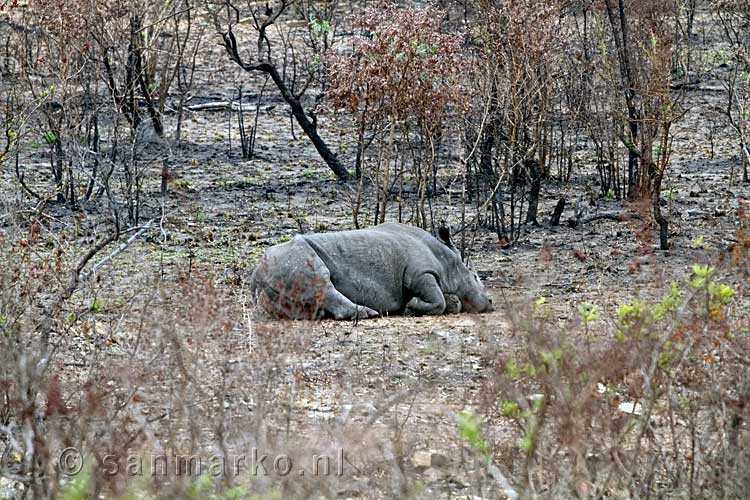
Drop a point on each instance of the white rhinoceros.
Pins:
(387, 269)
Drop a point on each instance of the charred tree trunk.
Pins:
(142, 77)
(655, 201)
(559, 209)
(619, 27)
(535, 173)
(309, 126)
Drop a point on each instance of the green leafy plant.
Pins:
(320, 28)
(183, 185)
(95, 306)
(79, 486)
(700, 275)
(469, 430)
(50, 138)
(669, 303)
(588, 312)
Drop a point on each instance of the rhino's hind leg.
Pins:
(428, 297)
(338, 306)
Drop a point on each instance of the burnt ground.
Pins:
(388, 387)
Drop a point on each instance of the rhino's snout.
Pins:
(481, 304)
(488, 307)
(474, 296)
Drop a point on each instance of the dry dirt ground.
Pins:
(392, 380)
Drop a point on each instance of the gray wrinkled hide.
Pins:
(388, 269)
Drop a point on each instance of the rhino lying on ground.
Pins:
(387, 269)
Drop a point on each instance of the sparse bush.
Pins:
(734, 18)
(89, 90)
(160, 393)
(400, 79)
(657, 409)
(505, 137)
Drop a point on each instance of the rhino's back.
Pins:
(370, 266)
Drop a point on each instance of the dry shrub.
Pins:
(401, 79)
(513, 88)
(164, 392)
(401, 67)
(659, 409)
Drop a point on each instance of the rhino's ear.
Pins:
(444, 235)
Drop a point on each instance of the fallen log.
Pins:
(619, 216)
(221, 106)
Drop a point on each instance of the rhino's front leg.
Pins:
(428, 297)
(452, 304)
(342, 308)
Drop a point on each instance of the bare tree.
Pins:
(511, 123)
(264, 61)
(645, 40)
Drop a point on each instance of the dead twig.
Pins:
(123, 246)
(619, 216)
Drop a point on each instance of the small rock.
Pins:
(439, 460)
(631, 408)
(422, 459)
(426, 459)
(358, 410)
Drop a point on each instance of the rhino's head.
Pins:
(463, 282)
